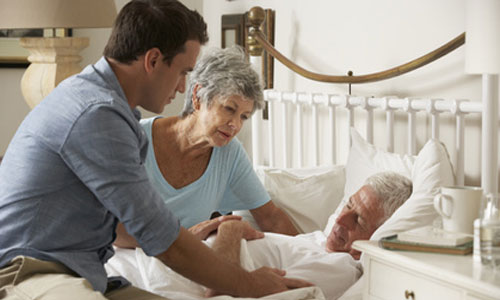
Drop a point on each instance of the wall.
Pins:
(13, 109)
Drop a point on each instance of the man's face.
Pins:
(358, 220)
(167, 80)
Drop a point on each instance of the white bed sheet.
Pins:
(302, 257)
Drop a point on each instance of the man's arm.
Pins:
(271, 218)
(192, 259)
(201, 230)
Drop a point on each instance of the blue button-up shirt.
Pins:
(74, 168)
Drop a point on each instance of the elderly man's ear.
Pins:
(195, 99)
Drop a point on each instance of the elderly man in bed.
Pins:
(322, 260)
(195, 160)
(328, 262)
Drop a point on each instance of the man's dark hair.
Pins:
(145, 24)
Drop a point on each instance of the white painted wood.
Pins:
(435, 126)
(431, 110)
(412, 127)
(299, 130)
(284, 126)
(257, 146)
(369, 125)
(333, 130)
(364, 104)
(390, 129)
(460, 142)
(489, 174)
(389, 274)
(390, 104)
(256, 141)
(315, 135)
(270, 134)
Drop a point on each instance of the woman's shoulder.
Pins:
(233, 151)
(233, 146)
(149, 121)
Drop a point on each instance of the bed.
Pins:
(309, 162)
(288, 141)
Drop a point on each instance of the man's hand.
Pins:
(266, 281)
(270, 281)
(202, 230)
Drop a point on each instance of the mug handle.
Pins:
(438, 205)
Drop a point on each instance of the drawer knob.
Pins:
(409, 295)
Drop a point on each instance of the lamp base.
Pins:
(52, 60)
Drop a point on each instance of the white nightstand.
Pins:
(424, 276)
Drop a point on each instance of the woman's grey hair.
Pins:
(224, 73)
(392, 189)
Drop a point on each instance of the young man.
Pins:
(75, 168)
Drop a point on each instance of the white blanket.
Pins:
(302, 257)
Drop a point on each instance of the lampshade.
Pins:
(16, 14)
(482, 37)
(53, 58)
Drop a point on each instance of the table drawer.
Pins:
(389, 282)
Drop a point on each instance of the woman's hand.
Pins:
(238, 230)
(202, 230)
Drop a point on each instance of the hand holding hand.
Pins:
(202, 230)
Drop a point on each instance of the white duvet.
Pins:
(302, 257)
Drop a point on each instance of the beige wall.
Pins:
(13, 109)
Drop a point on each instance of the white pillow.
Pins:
(428, 171)
(308, 195)
(432, 169)
(363, 161)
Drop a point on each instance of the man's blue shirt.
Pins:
(74, 168)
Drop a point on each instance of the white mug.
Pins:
(458, 207)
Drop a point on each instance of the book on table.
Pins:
(429, 239)
(434, 236)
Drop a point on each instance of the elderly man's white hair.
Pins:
(392, 189)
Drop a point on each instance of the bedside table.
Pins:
(424, 276)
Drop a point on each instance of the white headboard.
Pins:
(302, 144)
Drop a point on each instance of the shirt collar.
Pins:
(103, 67)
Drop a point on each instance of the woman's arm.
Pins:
(271, 218)
(203, 229)
(123, 239)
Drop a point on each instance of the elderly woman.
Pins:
(196, 162)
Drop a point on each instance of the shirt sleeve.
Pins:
(106, 150)
(244, 191)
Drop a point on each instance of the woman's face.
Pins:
(223, 119)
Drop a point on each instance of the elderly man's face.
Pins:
(358, 220)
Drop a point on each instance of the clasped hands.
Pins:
(204, 229)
